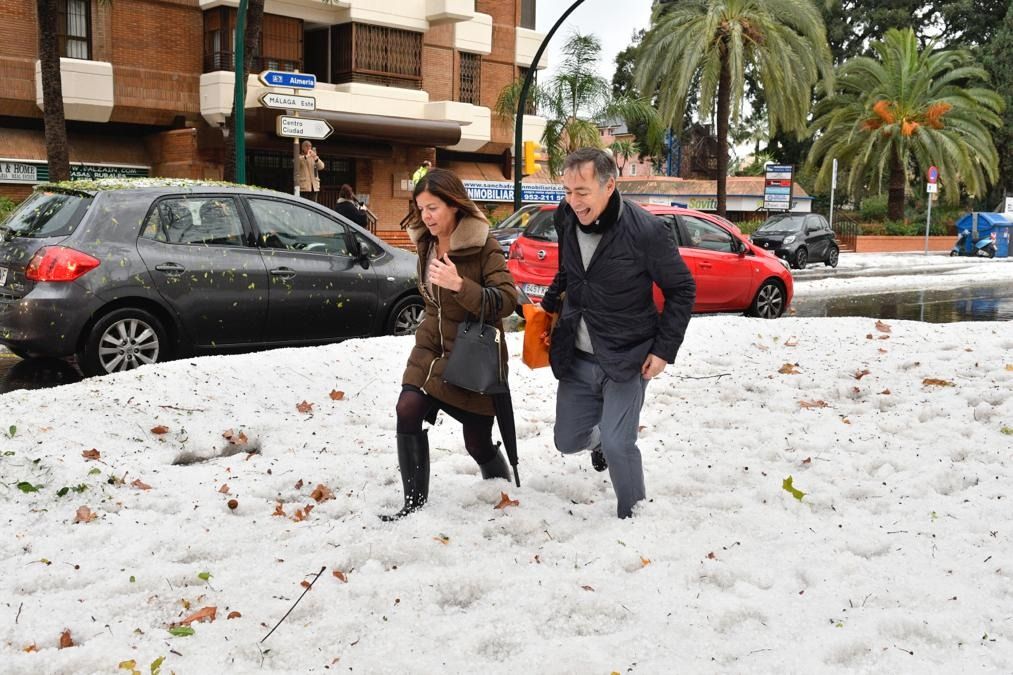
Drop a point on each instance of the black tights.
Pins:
(414, 406)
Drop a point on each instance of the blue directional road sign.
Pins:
(280, 78)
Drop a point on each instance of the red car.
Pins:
(731, 274)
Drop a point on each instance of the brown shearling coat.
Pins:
(480, 262)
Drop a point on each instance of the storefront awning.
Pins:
(394, 129)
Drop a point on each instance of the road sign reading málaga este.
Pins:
(303, 127)
(288, 102)
(280, 78)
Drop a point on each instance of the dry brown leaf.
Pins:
(233, 615)
(538, 559)
(789, 369)
(644, 562)
(859, 374)
(304, 407)
(160, 429)
(936, 382)
(856, 391)
(233, 504)
(322, 493)
(299, 484)
(1009, 366)
(303, 513)
(868, 336)
(443, 539)
(846, 420)
(204, 614)
(224, 489)
(140, 484)
(340, 576)
(31, 648)
(304, 583)
(65, 639)
(883, 337)
(234, 438)
(885, 392)
(91, 455)
(505, 501)
(807, 460)
(588, 588)
(762, 348)
(882, 351)
(337, 395)
(808, 405)
(711, 556)
(278, 510)
(883, 327)
(84, 515)
(791, 342)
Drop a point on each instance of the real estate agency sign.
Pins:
(777, 186)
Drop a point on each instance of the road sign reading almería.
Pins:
(280, 78)
(288, 102)
(303, 127)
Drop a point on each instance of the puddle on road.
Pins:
(980, 303)
(34, 373)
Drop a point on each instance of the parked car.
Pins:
(125, 273)
(507, 230)
(799, 238)
(731, 274)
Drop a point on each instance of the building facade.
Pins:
(148, 85)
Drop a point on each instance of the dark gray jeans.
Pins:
(593, 410)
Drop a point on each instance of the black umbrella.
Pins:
(504, 406)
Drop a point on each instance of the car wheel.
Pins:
(801, 258)
(833, 257)
(954, 254)
(123, 339)
(988, 251)
(406, 316)
(769, 301)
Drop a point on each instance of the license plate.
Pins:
(535, 290)
(3, 276)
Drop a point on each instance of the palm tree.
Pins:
(714, 42)
(622, 149)
(896, 115)
(575, 97)
(54, 122)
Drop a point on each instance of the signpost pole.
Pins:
(239, 93)
(928, 220)
(930, 188)
(833, 186)
(295, 153)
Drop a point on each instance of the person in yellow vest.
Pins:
(421, 171)
(309, 171)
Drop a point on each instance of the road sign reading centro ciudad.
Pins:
(280, 78)
(288, 102)
(303, 127)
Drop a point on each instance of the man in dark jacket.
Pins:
(609, 339)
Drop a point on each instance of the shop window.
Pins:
(471, 78)
(74, 29)
(376, 54)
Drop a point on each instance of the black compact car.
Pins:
(125, 273)
(799, 238)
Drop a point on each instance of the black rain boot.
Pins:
(413, 462)
(496, 467)
(598, 459)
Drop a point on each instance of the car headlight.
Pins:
(785, 263)
(789, 239)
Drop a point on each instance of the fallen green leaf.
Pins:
(133, 579)
(156, 665)
(788, 487)
(26, 487)
(205, 576)
(1007, 430)
(62, 491)
(181, 631)
(94, 471)
(11, 431)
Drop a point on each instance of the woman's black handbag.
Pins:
(476, 362)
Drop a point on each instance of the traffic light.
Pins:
(533, 154)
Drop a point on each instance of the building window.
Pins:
(633, 168)
(376, 54)
(528, 14)
(281, 46)
(74, 29)
(471, 78)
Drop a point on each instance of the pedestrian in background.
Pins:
(421, 171)
(348, 206)
(609, 340)
(309, 171)
(457, 260)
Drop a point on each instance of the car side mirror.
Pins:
(357, 250)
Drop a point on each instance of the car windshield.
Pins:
(783, 224)
(44, 214)
(518, 218)
(540, 226)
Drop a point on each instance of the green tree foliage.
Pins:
(893, 116)
(715, 42)
(575, 99)
(997, 57)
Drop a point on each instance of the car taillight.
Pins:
(59, 263)
(515, 252)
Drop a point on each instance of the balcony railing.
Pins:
(377, 55)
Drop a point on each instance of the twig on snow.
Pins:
(305, 591)
(19, 613)
(702, 377)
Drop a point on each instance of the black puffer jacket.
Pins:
(614, 295)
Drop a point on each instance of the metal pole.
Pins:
(833, 186)
(521, 104)
(239, 100)
(295, 155)
(928, 219)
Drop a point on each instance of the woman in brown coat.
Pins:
(457, 259)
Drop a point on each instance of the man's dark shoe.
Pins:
(496, 467)
(598, 460)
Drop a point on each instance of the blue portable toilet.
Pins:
(981, 231)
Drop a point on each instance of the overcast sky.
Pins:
(613, 23)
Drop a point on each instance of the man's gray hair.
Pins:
(603, 163)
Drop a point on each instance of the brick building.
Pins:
(148, 84)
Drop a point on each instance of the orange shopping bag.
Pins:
(537, 324)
